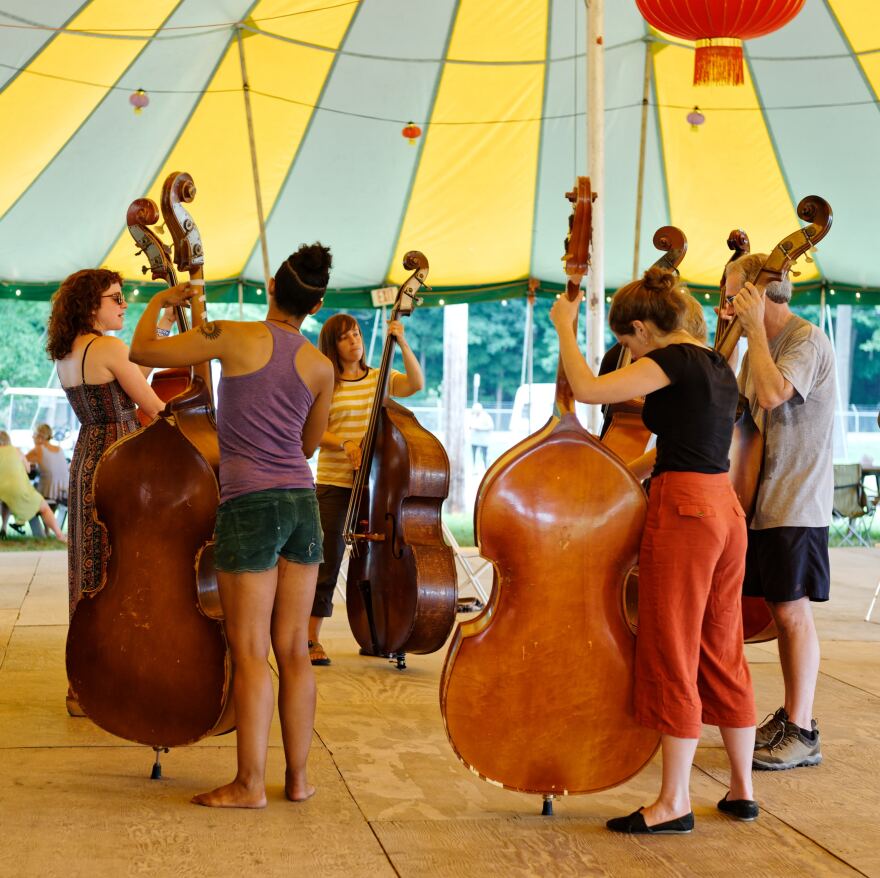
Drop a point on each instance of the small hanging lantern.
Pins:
(719, 27)
(695, 119)
(139, 100)
(411, 132)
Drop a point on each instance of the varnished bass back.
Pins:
(536, 691)
(143, 659)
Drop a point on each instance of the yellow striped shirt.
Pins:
(349, 416)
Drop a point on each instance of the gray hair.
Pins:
(778, 291)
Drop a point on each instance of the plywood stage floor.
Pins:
(392, 798)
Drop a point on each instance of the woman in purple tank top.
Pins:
(273, 402)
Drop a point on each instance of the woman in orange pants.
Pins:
(690, 666)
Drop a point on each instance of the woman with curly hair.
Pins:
(103, 388)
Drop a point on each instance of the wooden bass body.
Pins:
(145, 659)
(401, 589)
(537, 691)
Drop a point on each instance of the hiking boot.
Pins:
(772, 727)
(791, 749)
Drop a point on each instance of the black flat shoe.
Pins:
(742, 809)
(634, 824)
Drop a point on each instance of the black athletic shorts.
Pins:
(788, 563)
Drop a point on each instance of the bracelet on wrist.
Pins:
(162, 333)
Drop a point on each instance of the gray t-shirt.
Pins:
(797, 483)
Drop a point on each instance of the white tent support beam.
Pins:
(643, 141)
(455, 368)
(261, 220)
(596, 165)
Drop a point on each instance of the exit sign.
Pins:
(383, 296)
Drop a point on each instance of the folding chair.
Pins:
(852, 514)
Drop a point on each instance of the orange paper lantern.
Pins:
(719, 27)
(411, 132)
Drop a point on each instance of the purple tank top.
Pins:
(260, 418)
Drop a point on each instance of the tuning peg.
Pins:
(795, 273)
(144, 269)
(808, 259)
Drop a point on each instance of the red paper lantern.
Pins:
(718, 27)
(411, 132)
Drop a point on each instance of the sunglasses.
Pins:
(117, 297)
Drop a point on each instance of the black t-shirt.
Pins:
(692, 417)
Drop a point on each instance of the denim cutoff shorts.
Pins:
(255, 529)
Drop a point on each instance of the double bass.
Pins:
(747, 446)
(626, 434)
(536, 691)
(401, 588)
(147, 656)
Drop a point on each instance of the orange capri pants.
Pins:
(690, 666)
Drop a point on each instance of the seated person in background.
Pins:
(51, 463)
(17, 494)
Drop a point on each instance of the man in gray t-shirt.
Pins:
(787, 377)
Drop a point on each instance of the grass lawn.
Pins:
(16, 543)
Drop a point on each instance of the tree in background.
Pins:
(23, 358)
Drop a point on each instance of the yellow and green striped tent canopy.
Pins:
(499, 91)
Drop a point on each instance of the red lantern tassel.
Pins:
(718, 62)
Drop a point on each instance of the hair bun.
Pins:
(312, 263)
(659, 280)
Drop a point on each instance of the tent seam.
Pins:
(293, 162)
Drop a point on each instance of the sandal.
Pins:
(317, 656)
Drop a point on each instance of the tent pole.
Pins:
(240, 300)
(246, 89)
(596, 165)
(640, 190)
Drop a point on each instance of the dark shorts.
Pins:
(254, 530)
(788, 563)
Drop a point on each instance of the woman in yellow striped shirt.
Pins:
(340, 448)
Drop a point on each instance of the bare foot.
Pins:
(232, 795)
(297, 790)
